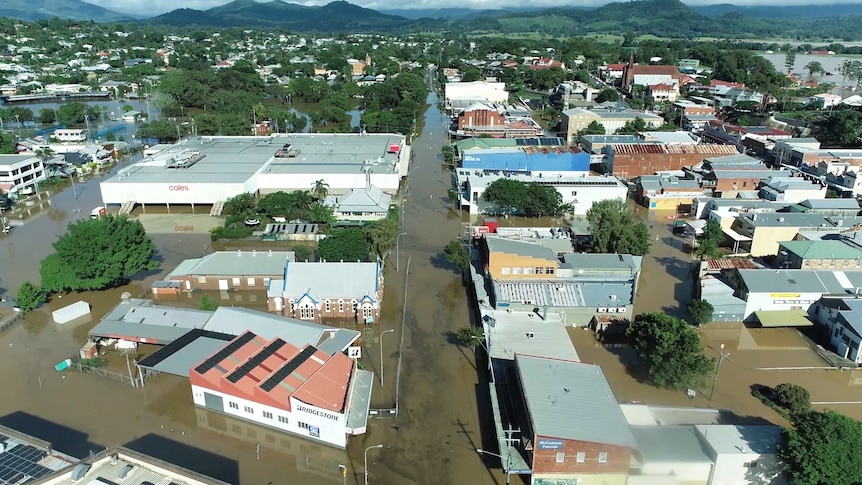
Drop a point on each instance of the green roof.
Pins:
(485, 143)
(783, 318)
(821, 249)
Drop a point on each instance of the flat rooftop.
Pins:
(236, 159)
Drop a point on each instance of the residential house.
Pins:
(684, 107)
(663, 92)
(546, 63)
(612, 72)
(226, 271)
(368, 204)
(762, 232)
(697, 122)
(660, 192)
(820, 254)
(799, 290)
(594, 450)
(579, 191)
(313, 291)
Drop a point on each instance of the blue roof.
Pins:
(519, 160)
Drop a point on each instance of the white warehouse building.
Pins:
(582, 191)
(210, 170)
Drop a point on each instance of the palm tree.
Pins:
(44, 153)
(320, 189)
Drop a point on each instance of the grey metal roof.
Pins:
(235, 321)
(741, 439)
(602, 262)
(143, 319)
(831, 203)
(663, 444)
(749, 174)
(338, 341)
(565, 292)
(521, 248)
(786, 219)
(238, 263)
(801, 281)
(558, 390)
(331, 279)
(527, 334)
(360, 400)
(184, 353)
(850, 314)
(370, 199)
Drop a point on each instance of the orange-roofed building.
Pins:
(304, 391)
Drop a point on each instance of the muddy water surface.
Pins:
(432, 440)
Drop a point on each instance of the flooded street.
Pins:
(433, 439)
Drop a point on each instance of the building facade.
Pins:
(20, 173)
(314, 291)
(230, 271)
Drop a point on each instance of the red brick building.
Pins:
(480, 116)
(577, 431)
(636, 159)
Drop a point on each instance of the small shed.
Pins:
(71, 312)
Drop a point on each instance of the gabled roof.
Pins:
(557, 390)
(236, 263)
(330, 279)
(370, 199)
(823, 249)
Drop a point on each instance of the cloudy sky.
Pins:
(155, 7)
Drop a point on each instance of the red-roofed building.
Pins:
(727, 84)
(613, 71)
(663, 92)
(304, 391)
(647, 75)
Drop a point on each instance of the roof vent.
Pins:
(80, 471)
(124, 472)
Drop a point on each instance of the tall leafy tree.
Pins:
(670, 350)
(344, 245)
(457, 254)
(822, 448)
(29, 297)
(99, 253)
(614, 229)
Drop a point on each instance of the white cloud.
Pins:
(149, 8)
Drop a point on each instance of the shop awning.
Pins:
(783, 318)
(735, 235)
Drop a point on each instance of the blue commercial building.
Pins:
(529, 159)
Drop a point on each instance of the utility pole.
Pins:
(721, 356)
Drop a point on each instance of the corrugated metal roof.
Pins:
(331, 279)
(731, 263)
(521, 248)
(229, 263)
(558, 390)
(828, 249)
(527, 334)
(670, 444)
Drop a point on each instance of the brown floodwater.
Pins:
(432, 440)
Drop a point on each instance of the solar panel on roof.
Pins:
(223, 353)
(255, 361)
(20, 462)
(288, 368)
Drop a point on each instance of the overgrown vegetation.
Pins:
(513, 197)
(29, 297)
(614, 229)
(457, 254)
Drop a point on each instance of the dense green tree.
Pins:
(291, 205)
(345, 245)
(207, 304)
(99, 253)
(56, 275)
(29, 297)
(241, 204)
(529, 199)
(814, 67)
(594, 128)
(632, 127)
(614, 229)
(72, 113)
(8, 145)
(700, 311)
(46, 115)
(161, 130)
(792, 397)
(471, 336)
(318, 213)
(381, 235)
(670, 350)
(709, 240)
(842, 127)
(607, 94)
(822, 448)
(457, 254)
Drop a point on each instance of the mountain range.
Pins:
(667, 18)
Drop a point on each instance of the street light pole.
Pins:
(381, 353)
(366, 460)
(343, 472)
(721, 357)
(398, 250)
(501, 457)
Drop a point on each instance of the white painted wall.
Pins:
(118, 191)
(342, 182)
(780, 301)
(683, 472)
(582, 197)
(332, 432)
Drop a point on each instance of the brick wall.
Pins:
(238, 283)
(545, 461)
